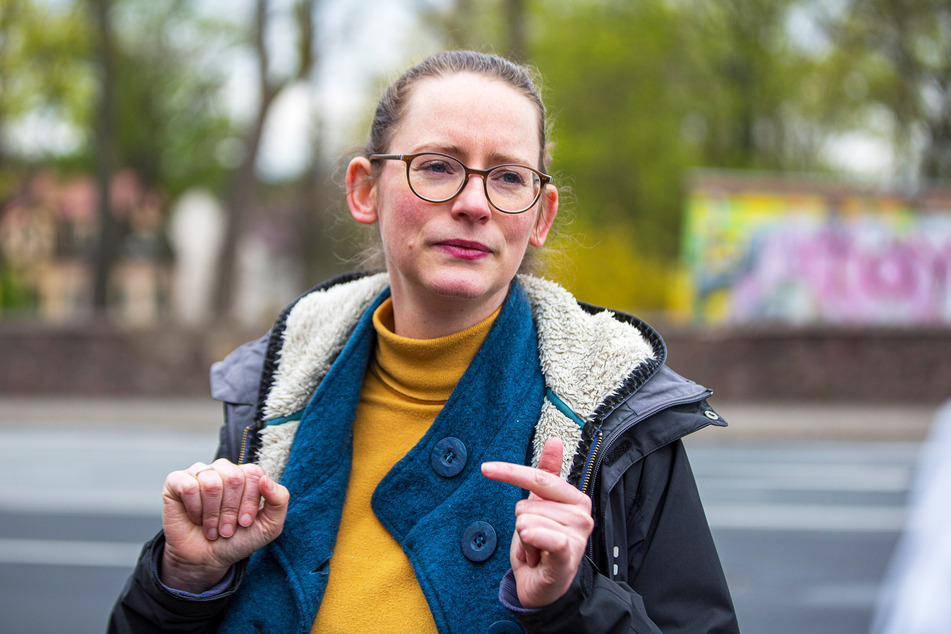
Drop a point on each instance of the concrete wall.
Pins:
(762, 364)
(912, 365)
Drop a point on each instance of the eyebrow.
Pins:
(458, 152)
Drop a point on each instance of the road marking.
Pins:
(78, 501)
(806, 517)
(69, 553)
(884, 482)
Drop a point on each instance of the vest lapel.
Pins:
(285, 580)
(492, 413)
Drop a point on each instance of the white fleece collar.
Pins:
(585, 359)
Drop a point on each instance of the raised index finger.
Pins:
(545, 485)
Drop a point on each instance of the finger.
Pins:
(576, 515)
(554, 543)
(251, 499)
(550, 458)
(181, 489)
(577, 536)
(233, 482)
(542, 483)
(533, 556)
(276, 498)
(211, 491)
(519, 552)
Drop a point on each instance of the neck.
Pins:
(441, 316)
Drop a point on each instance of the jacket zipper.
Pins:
(594, 458)
(244, 444)
(589, 464)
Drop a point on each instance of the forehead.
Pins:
(471, 114)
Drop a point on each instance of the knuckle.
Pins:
(211, 486)
(588, 524)
(251, 469)
(233, 481)
(187, 486)
(540, 478)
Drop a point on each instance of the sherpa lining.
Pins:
(584, 357)
(317, 329)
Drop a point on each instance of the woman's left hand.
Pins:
(552, 526)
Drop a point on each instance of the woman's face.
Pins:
(462, 252)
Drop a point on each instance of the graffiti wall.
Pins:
(808, 255)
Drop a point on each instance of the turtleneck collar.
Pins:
(423, 369)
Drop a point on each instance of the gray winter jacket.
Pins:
(651, 564)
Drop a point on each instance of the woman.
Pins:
(378, 441)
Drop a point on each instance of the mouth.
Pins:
(464, 249)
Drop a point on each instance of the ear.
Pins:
(546, 216)
(361, 191)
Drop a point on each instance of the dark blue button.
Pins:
(449, 457)
(505, 627)
(478, 541)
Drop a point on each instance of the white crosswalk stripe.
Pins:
(834, 487)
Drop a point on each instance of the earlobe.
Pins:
(361, 191)
(546, 216)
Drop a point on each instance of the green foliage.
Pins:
(44, 64)
(641, 92)
(168, 86)
(898, 61)
(15, 296)
(171, 125)
(600, 265)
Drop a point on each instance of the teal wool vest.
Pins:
(454, 525)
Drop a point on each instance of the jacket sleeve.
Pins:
(673, 582)
(146, 606)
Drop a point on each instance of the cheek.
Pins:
(520, 230)
(401, 220)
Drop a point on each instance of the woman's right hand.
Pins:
(213, 517)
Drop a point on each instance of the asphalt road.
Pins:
(805, 527)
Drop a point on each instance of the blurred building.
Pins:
(49, 232)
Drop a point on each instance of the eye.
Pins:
(436, 166)
(511, 177)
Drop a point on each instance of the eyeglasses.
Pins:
(438, 178)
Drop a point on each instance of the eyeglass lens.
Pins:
(439, 178)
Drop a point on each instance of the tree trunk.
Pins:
(243, 189)
(105, 156)
(517, 40)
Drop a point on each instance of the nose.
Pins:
(471, 201)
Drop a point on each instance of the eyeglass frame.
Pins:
(543, 178)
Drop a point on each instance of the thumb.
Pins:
(275, 497)
(550, 458)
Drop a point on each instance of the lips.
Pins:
(465, 249)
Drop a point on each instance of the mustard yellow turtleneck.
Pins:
(372, 587)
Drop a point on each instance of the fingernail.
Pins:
(211, 533)
(245, 520)
(227, 530)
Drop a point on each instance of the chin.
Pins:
(461, 286)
